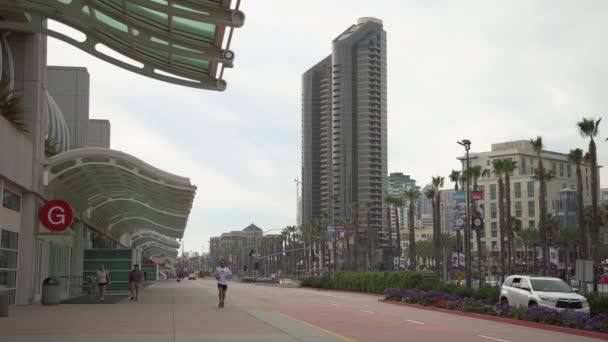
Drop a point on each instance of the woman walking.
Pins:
(103, 281)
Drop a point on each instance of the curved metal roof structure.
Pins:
(56, 128)
(177, 41)
(121, 192)
(141, 237)
(154, 249)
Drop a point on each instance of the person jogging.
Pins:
(135, 278)
(222, 274)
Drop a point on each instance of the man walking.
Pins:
(135, 278)
(222, 274)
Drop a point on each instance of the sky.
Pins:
(488, 71)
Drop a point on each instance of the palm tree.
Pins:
(437, 185)
(529, 238)
(398, 203)
(537, 145)
(11, 107)
(355, 223)
(509, 167)
(447, 244)
(390, 200)
(455, 178)
(412, 195)
(576, 157)
(370, 235)
(498, 169)
(589, 128)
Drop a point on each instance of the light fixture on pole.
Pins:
(467, 228)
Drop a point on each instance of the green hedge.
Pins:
(374, 282)
(598, 304)
(377, 282)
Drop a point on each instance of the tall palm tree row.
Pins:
(576, 157)
(499, 170)
(455, 178)
(537, 145)
(589, 128)
(430, 193)
(412, 196)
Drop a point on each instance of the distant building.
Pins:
(69, 89)
(344, 128)
(398, 185)
(425, 209)
(446, 209)
(561, 191)
(604, 195)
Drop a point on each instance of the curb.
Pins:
(342, 291)
(555, 328)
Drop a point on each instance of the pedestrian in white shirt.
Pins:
(103, 281)
(222, 274)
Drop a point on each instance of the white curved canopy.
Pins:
(177, 41)
(118, 191)
(141, 237)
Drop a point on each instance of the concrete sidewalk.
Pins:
(167, 311)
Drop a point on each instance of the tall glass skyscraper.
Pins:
(344, 128)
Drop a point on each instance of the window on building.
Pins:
(561, 169)
(494, 230)
(531, 209)
(8, 263)
(494, 245)
(531, 224)
(517, 209)
(11, 200)
(554, 168)
(531, 189)
(493, 210)
(522, 168)
(488, 162)
(481, 188)
(517, 188)
(569, 170)
(492, 191)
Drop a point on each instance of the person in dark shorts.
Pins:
(135, 278)
(222, 274)
(103, 281)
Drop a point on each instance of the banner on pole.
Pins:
(478, 210)
(459, 211)
(458, 262)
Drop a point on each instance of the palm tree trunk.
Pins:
(543, 218)
(410, 216)
(437, 233)
(398, 237)
(582, 253)
(501, 209)
(391, 255)
(595, 224)
(509, 227)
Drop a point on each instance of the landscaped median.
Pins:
(425, 289)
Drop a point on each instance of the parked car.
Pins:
(192, 276)
(527, 291)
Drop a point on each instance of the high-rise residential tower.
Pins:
(344, 128)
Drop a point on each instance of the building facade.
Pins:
(524, 188)
(344, 123)
(398, 185)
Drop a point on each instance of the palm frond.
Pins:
(588, 127)
(11, 107)
(537, 144)
(575, 156)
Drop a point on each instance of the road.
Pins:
(187, 311)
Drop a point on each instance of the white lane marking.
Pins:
(493, 338)
(334, 304)
(415, 322)
(369, 312)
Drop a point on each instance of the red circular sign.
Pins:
(56, 215)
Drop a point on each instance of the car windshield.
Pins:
(550, 285)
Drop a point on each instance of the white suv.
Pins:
(526, 291)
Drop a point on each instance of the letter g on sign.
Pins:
(56, 215)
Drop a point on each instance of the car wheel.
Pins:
(532, 304)
(504, 302)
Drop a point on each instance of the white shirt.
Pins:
(102, 277)
(222, 275)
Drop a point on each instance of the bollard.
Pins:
(3, 305)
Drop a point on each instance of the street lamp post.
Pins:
(467, 228)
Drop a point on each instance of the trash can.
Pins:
(51, 291)
(3, 305)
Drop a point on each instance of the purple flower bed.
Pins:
(537, 314)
